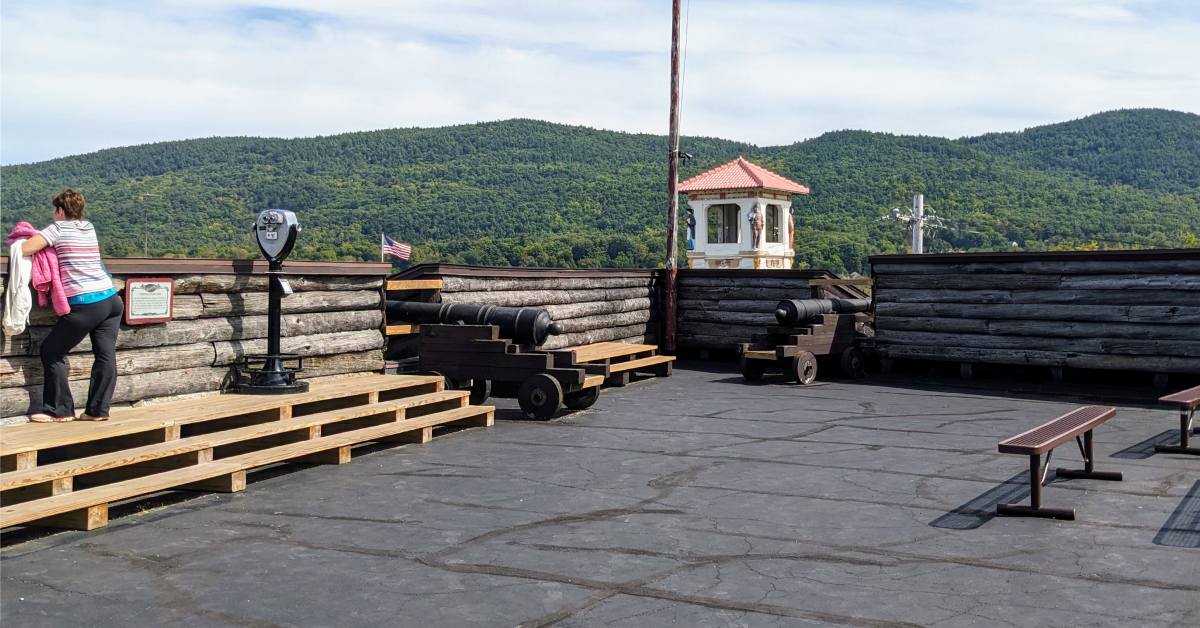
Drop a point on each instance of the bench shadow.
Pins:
(1182, 528)
(982, 509)
(1145, 449)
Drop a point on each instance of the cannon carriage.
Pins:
(810, 334)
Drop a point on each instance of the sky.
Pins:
(78, 76)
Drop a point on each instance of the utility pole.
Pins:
(916, 220)
(669, 287)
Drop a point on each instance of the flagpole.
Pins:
(381, 256)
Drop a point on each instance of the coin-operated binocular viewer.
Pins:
(273, 373)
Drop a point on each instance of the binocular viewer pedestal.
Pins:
(274, 372)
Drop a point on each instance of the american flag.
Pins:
(399, 250)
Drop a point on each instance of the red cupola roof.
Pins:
(740, 174)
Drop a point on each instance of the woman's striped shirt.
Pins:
(78, 256)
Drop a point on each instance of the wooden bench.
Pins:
(1042, 440)
(1186, 401)
(620, 359)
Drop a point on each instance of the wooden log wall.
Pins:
(614, 305)
(334, 318)
(1124, 310)
(719, 309)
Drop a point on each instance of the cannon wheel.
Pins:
(804, 367)
(752, 370)
(852, 363)
(540, 396)
(582, 399)
(481, 389)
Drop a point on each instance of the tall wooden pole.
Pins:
(669, 288)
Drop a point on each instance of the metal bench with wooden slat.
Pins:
(1041, 440)
(1187, 401)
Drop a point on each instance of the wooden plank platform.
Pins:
(68, 477)
(621, 360)
(608, 350)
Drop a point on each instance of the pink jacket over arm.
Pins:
(45, 277)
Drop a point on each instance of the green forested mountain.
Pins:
(1153, 149)
(524, 192)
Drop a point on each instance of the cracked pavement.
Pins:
(696, 500)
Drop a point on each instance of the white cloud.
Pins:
(81, 76)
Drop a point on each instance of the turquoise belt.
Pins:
(91, 297)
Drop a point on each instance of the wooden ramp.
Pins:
(623, 360)
(66, 474)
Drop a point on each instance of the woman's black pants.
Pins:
(101, 320)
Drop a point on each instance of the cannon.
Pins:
(792, 312)
(807, 329)
(523, 325)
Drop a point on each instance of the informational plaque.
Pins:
(149, 300)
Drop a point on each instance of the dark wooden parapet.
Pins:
(1126, 310)
(334, 318)
(721, 309)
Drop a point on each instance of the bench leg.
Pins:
(1088, 472)
(1185, 430)
(1034, 509)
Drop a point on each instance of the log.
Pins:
(342, 363)
(1035, 297)
(541, 298)
(729, 305)
(600, 321)
(196, 284)
(1136, 314)
(490, 284)
(799, 282)
(187, 307)
(27, 370)
(249, 303)
(210, 330)
(1117, 346)
(705, 341)
(230, 351)
(597, 335)
(1010, 281)
(1156, 364)
(1064, 329)
(592, 308)
(137, 387)
(20, 400)
(736, 292)
(742, 332)
(1056, 267)
(728, 318)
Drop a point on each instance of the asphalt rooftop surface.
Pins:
(696, 500)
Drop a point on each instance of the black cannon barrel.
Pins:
(792, 312)
(524, 325)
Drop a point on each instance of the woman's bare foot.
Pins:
(41, 417)
(87, 417)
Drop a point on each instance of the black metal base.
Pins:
(1083, 474)
(1019, 510)
(270, 389)
(1177, 449)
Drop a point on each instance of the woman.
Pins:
(95, 309)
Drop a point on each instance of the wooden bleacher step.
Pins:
(101, 496)
(210, 444)
(92, 464)
(131, 427)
